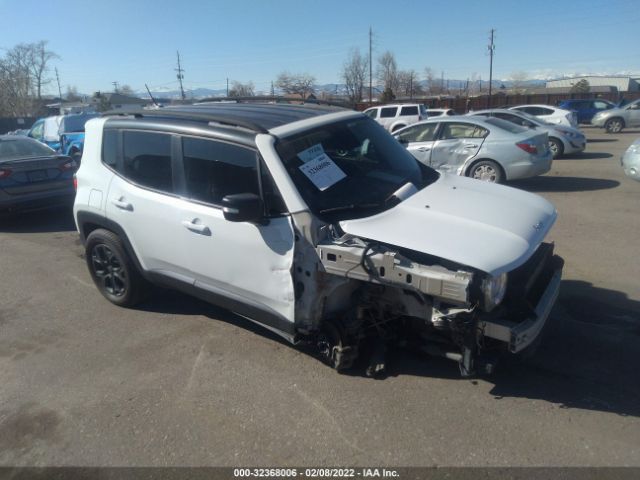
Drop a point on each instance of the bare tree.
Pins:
(16, 86)
(39, 58)
(408, 85)
(72, 94)
(126, 90)
(354, 74)
(298, 84)
(239, 89)
(518, 82)
(387, 72)
(23, 72)
(432, 84)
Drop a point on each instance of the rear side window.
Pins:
(110, 148)
(215, 169)
(147, 160)
(600, 105)
(409, 111)
(388, 112)
(373, 113)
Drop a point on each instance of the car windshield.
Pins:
(75, 123)
(505, 125)
(350, 168)
(22, 148)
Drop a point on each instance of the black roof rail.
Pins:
(228, 120)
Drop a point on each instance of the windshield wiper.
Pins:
(352, 206)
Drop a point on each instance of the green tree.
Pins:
(582, 86)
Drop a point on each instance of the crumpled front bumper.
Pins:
(520, 334)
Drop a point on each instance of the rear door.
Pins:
(633, 112)
(419, 139)
(456, 143)
(247, 264)
(387, 116)
(142, 199)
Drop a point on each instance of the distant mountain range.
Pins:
(329, 88)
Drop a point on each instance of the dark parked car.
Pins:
(33, 176)
(586, 109)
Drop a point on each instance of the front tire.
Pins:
(556, 147)
(614, 125)
(486, 171)
(112, 270)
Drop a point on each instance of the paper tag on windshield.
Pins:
(311, 153)
(323, 172)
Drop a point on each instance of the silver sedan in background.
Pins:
(631, 160)
(562, 140)
(487, 149)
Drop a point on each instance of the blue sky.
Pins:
(134, 42)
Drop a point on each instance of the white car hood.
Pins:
(481, 225)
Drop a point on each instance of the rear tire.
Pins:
(112, 270)
(556, 147)
(486, 171)
(614, 125)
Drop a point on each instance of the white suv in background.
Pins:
(394, 117)
(318, 225)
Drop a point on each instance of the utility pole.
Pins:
(227, 86)
(58, 80)
(59, 90)
(115, 86)
(273, 92)
(370, 68)
(180, 76)
(411, 86)
(491, 48)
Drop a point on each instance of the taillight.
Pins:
(75, 182)
(4, 172)
(528, 147)
(68, 165)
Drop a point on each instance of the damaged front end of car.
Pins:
(362, 296)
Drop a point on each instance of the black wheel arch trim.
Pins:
(89, 218)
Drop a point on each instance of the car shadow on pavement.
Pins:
(585, 156)
(177, 303)
(587, 359)
(41, 221)
(563, 184)
(601, 140)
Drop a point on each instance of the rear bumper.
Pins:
(528, 169)
(36, 201)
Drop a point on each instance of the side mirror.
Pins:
(243, 207)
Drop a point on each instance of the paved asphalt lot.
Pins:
(178, 382)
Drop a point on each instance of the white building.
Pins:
(622, 83)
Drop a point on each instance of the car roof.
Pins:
(252, 116)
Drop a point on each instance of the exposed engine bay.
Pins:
(370, 296)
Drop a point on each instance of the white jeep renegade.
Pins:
(318, 225)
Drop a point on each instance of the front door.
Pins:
(246, 264)
(419, 139)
